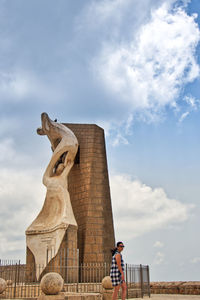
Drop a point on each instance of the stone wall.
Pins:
(176, 287)
(88, 185)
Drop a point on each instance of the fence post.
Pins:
(15, 281)
(18, 275)
(141, 281)
(127, 281)
(77, 273)
(148, 282)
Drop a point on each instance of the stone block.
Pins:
(60, 296)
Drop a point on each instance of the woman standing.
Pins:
(117, 271)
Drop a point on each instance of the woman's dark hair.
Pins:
(114, 250)
(118, 243)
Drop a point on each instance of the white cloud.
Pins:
(15, 85)
(195, 260)
(6, 149)
(139, 209)
(114, 13)
(183, 116)
(19, 85)
(119, 139)
(193, 105)
(9, 155)
(159, 258)
(192, 102)
(116, 131)
(10, 246)
(149, 72)
(158, 244)
(21, 197)
(97, 13)
(7, 124)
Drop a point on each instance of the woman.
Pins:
(117, 271)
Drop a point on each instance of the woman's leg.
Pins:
(123, 291)
(115, 292)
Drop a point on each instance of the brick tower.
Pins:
(88, 185)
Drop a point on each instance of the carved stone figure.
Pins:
(48, 229)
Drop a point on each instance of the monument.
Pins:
(77, 212)
(47, 231)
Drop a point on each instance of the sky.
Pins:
(133, 68)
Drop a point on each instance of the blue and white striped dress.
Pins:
(115, 274)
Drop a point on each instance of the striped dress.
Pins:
(115, 274)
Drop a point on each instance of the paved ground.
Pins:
(159, 297)
(172, 297)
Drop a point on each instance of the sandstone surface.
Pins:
(51, 283)
(3, 285)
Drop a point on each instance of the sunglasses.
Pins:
(122, 246)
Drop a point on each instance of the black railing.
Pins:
(22, 281)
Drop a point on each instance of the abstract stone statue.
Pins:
(48, 229)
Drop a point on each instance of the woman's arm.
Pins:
(118, 260)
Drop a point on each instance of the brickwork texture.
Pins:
(89, 189)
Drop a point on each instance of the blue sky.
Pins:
(131, 67)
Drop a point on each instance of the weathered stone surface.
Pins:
(107, 283)
(88, 186)
(60, 296)
(107, 294)
(3, 285)
(9, 282)
(107, 288)
(71, 296)
(82, 296)
(90, 195)
(176, 287)
(51, 283)
(47, 231)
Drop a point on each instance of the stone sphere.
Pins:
(51, 283)
(107, 283)
(9, 282)
(3, 285)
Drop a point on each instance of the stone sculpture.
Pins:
(3, 285)
(51, 283)
(107, 288)
(48, 229)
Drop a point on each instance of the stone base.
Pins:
(71, 296)
(66, 256)
(107, 294)
(83, 296)
(60, 296)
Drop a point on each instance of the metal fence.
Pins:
(22, 282)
